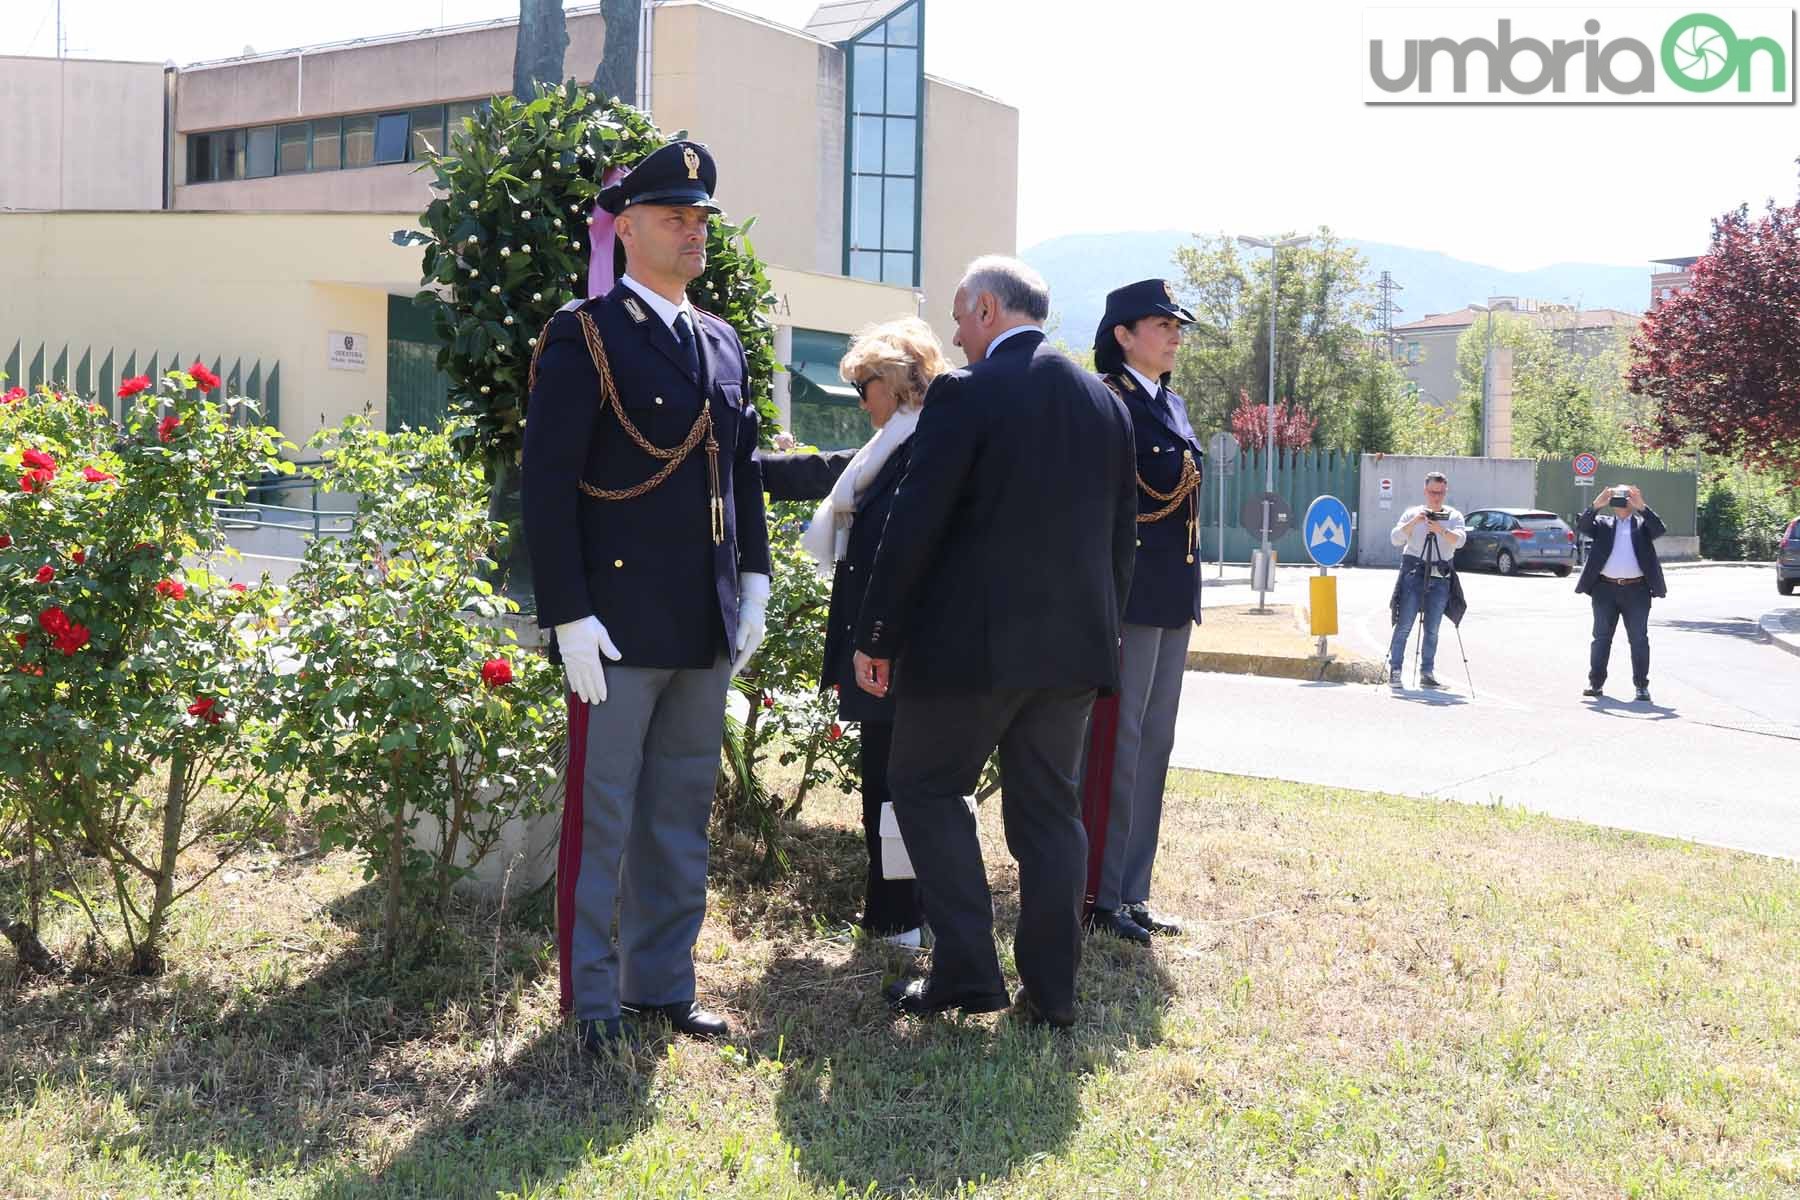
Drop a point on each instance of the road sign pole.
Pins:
(1221, 470)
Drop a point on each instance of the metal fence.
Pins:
(96, 371)
(1299, 478)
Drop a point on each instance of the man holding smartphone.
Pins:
(1428, 535)
(1621, 577)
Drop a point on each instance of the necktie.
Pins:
(684, 336)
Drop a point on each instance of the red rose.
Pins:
(205, 378)
(206, 708)
(837, 731)
(54, 621)
(21, 638)
(132, 386)
(95, 475)
(165, 428)
(496, 672)
(79, 557)
(46, 573)
(768, 702)
(5, 541)
(73, 638)
(171, 589)
(13, 395)
(31, 481)
(38, 460)
(239, 588)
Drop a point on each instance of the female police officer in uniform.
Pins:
(1134, 351)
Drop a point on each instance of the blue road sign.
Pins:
(1327, 531)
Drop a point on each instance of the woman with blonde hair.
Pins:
(890, 365)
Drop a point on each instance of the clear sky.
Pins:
(1154, 114)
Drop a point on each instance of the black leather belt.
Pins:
(1633, 579)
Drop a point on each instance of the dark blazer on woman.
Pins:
(811, 477)
(1165, 583)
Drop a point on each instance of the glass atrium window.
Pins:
(885, 94)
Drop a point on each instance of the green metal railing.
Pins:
(96, 372)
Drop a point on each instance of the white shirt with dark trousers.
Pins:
(1623, 563)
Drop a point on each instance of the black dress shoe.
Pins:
(1152, 921)
(600, 1036)
(1026, 1010)
(1592, 691)
(1115, 922)
(688, 1018)
(917, 999)
(1643, 695)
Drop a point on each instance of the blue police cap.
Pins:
(680, 173)
(1146, 298)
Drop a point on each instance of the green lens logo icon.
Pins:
(1699, 53)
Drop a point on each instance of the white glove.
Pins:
(582, 642)
(753, 605)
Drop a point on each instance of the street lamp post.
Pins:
(1487, 368)
(1274, 247)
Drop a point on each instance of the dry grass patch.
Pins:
(1376, 997)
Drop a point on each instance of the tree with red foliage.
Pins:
(1720, 362)
(1293, 424)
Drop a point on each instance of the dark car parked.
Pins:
(1787, 559)
(1512, 539)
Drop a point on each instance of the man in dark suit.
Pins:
(993, 611)
(644, 517)
(1621, 577)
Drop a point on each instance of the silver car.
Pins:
(1513, 539)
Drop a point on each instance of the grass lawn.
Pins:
(1376, 998)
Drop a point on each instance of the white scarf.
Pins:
(828, 536)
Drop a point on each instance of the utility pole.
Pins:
(1263, 576)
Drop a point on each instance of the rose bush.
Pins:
(413, 704)
(115, 633)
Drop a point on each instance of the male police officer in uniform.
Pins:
(644, 518)
(1134, 351)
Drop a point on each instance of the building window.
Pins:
(824, 408)
(885, 95)
(390, 137)
(259, 158)
(427, 133)
(325, 144)
(296, 142)
(359, 141)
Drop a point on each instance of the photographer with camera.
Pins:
(1429, 535)
(1621, 577)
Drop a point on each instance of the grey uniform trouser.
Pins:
(1150, 666)
(642, 766)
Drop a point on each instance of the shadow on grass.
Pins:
(278, 1077)
(930, 1106)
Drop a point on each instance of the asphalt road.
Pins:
(1715, 759)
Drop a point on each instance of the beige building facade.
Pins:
(81, 133)
(871, 183)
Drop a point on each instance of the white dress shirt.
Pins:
(1151, 387)
(661, 306)
(995, 344)
(1623, 563)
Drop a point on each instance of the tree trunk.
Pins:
(543, 39)
(149, 953)
(617, 76)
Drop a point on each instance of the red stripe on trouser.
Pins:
(1096, 785)
(568, 849)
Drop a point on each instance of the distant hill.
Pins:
(1083, 267)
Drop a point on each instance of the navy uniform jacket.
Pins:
(1603, 527)
(647, 567)
(810, 477)
(1165, 584)
(1007, 555)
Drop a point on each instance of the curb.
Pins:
(1686, 564)
(1280, 666)
(1779, 629)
